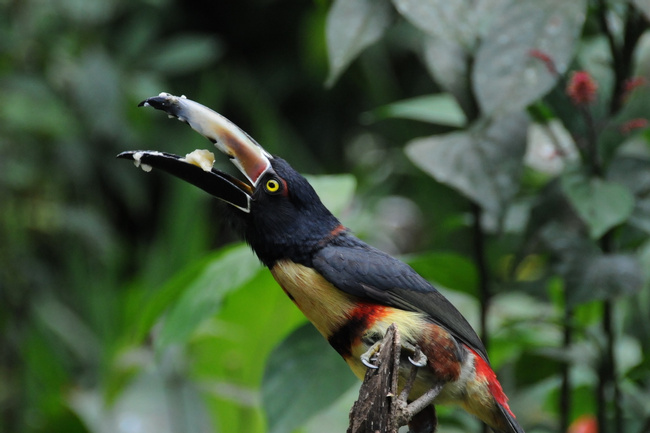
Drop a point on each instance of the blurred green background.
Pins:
(126, 304)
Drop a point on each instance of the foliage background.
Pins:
(126, 307)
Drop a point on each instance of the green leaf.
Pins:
(229, 351)
(303, 377)
(335, 191)
(25, 95)
(443, 19)
(230, 269)
(334, 418)
(86, 12)
(601, 204)
(441, 109)
(634, 174)
(185, 53)
(149, 397)
(618, 136)
(506, 76)
(447, 63)
(461, 22)
(483, 163)
(145, 312)
(606, 277)
(438, 18)
(96, 77)
(450, 270)
(352, 26)
(643, 6)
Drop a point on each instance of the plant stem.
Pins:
(622, 57)
(565, 391)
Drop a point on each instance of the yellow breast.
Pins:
(323, 304)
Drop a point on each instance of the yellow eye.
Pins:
(272, 185)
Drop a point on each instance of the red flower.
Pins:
(584, 424)
(581, 88)
(631, 84)
(633, 124)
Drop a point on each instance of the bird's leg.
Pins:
(404, 395)
(370, 355)
(417, 358)
(420, 414)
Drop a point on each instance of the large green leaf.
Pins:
(25, 95)
(444, 19)
(229, 351)
(352, 26)
(335, 191)
(601, 204)
(202, 297)
(185, 53)
(144, 312)
(441, 109)
(148, 402)
(506, 76)
(303, 377)
(643, 6)
(483, 163)
(634, 173)
(448, 64)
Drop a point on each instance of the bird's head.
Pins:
(276, 209)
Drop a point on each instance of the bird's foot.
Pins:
(370, 355)
(419, 414)
(416, 357)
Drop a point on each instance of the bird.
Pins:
(350, 291)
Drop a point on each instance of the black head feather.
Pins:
(290, 223)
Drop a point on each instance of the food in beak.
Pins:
(201, 158)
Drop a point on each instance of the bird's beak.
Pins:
(221, 185)
(251, 159)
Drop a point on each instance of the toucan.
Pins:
(350, 291)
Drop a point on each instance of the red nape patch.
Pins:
(338, 230)
(483, 370)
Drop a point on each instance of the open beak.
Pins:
(215, 182)
(251, 159)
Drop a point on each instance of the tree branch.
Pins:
(379, 408)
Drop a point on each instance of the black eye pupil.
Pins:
(272, 185)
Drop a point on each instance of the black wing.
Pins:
(367, 272)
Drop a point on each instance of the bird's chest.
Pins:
(323, 304)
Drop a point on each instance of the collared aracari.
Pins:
(350, 291)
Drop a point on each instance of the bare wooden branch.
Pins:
(374, 411)
(379, 407)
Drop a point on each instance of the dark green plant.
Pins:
(475, 154)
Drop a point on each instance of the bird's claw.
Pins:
(370, 355)
(417, 358)
(369, 364)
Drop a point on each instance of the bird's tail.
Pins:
(512, 424)
(487, 400)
